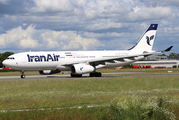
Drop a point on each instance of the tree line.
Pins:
(171, 56)
(4, 56)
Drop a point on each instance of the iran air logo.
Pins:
(149, 39)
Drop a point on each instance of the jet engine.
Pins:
(81, 69)
(48, 72)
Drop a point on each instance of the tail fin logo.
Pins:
(149, 39)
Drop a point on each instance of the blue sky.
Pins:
(50, 25)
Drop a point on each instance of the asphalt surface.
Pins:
(67, 76)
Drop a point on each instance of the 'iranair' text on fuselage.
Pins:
(42, 58)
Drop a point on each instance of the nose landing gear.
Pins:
(22, 76)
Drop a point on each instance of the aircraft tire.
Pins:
(92, 75)
(98, 74)
(79, 75)
(22, 76)
(73, 75)
(95, 74)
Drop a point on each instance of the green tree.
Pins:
(173, 54)
(162, 55)
(128, 66)
(3, 56)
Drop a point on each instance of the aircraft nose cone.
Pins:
(9, 63)
(4, 62)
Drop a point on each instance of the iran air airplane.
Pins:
(81, 62)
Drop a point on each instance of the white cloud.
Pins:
(98, 35)
(19, 38)
(55, 5)
(31, 38)
(4, 1)
(105, 8)
(84, 24)
(152, 13)
(11, 17)
(162, 2)
(28, 43)
(136, 9)
(104, 25)
(2, 42)
(164, 23)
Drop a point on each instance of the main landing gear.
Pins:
(95, 74)
(74, 75)
(22, 76)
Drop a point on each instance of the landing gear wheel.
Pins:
(95, 74)
(73, 75)
(22, 76)
(99, 74)
(92, 75)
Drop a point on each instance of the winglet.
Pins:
(168, 49)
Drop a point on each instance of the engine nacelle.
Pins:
(81, 69)
(48, 72)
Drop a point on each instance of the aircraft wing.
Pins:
(117, 58)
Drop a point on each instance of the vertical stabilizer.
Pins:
(146, 41)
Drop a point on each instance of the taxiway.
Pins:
(67, 76)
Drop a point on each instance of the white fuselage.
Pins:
(60, 60)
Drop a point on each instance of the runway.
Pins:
(67, 76)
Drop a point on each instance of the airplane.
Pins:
(82, 62)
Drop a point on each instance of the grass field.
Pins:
(55, 93)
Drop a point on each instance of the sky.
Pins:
(66, 25)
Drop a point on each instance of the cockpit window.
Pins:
(11, 58)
